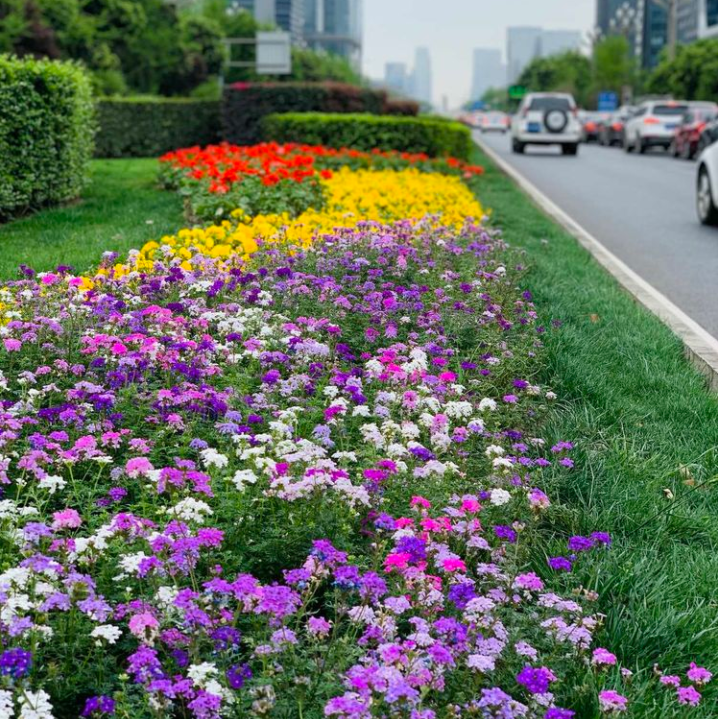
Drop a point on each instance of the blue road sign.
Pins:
(607, 101)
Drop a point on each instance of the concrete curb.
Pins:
(700, 346)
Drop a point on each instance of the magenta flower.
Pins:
(612, 702)
(689, 696)
(699, 675)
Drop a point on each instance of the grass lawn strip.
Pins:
(122, 207)
(646, 430)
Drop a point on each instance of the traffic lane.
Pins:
(641, 207)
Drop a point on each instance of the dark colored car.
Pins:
(612, 129)
(591, 126)
(687, 139)
(708, 136)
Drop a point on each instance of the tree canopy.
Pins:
(146, 46)
(692, 75)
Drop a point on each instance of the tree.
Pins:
(564, 72)
(613, 65)
(691, 75)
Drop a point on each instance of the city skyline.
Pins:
(452, 33)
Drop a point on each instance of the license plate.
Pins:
(534, 127)
(671, 127)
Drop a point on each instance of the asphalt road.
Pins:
(642, 208)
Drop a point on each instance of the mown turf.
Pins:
(121, 208)
(646, 430)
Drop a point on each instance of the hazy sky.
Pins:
(451, 29)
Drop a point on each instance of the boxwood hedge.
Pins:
(436, 137)
(46, 133)
(151, 126)
(244, 105)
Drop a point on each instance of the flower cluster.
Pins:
(270, 178)
(293, 478)
(353, 198)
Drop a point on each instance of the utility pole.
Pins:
(671, 8)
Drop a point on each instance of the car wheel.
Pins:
(640, 146)
(707, 211)
(687, 153)
(571, 149)
(627, 146)
(518, 147)
(674, 149)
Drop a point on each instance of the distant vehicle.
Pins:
(708, 136)
(612, 130)
(494, 121)
(546, 118)
(688, 135)
(591, 123)
(707, 186)
(472, 119)
(653, 125)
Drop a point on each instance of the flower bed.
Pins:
(297, 478)
(263, 178)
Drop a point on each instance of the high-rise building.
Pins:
(523, 44)
(285, 14)
(334, 26)
(554, 42)
(395, 77)
(687, 20)
(421, 77)
(489, 71)
(707, 18)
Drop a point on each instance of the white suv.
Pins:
(653, 124)
(546, 118)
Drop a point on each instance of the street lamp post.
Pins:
(671, 8)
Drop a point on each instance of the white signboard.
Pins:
(274, 53)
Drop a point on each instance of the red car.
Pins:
(688, 134)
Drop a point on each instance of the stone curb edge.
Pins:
(700, 346)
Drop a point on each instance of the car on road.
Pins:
(612, 130)
(707, 186)
(688, 134)
(546, 118)
(591, 124)
(653, 125)
(494, 121)
(708, 136)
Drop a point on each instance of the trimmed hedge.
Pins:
(46, 133)
(436, 137)
(244, 105)
(148, 127)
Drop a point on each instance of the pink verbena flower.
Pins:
(699, 675)
(603, 656)
(688, 695)
(611, 701)
(670, 680)
(66, 519)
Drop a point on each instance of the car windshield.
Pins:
(550, 103)
(670, 110)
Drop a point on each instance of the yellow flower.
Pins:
(352, 196)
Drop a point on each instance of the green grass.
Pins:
(121, 208)
(638, 413)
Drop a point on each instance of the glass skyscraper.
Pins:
(334, 26)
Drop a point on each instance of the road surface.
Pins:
(642, 208)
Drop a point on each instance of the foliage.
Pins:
(434, 137)
(692, 75)
(145, 45)
(46, 133)
(564, 72)
(613, 65)
(244, 105)
(497, 98)
(147, 127)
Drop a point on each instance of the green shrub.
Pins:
(244, 105)
(434, 136)
(151, 126)
(410, 108)
(46, 133)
